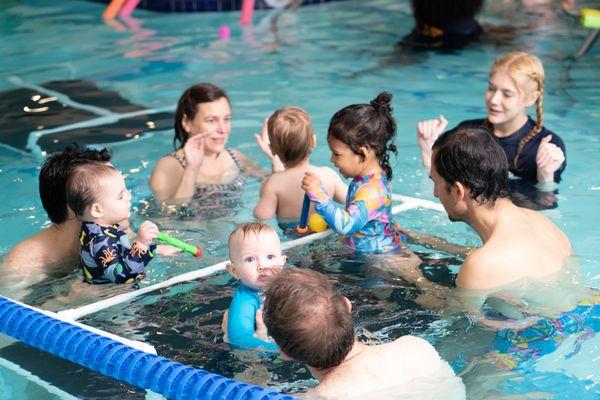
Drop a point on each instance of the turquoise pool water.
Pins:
(320, 58)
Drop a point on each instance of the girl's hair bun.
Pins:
(383, 102)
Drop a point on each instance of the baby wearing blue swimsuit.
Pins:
(255, 254)
(241, 320)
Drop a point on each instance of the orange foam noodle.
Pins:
(112, 9)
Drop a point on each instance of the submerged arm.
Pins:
(436, 243)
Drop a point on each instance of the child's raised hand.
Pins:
(147, 233)
(263, 140)
(311, 182)
(427, 133)
(548, 159)
(194, 150)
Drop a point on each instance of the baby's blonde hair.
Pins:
(519, 65)
(290, 134)
(255, 227)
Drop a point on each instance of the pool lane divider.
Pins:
(408, 203)
(116, 359)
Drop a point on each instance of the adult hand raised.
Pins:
(427, 133)
(193, 150)
(548, 159)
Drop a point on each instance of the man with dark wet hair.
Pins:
(470, 174)
(58, 245)
(311, 321)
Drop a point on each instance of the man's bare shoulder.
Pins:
(41, 250)
(556, 237)
(412, 346)
(485, 265)
(29, 252)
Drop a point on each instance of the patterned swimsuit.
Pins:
(517, 349)
(218, 199)
(107, 255)
(366, 222)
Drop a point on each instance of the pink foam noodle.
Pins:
(128, 7)
(247, 10)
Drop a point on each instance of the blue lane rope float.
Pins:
(117, 360)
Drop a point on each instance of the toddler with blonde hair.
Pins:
(289, 135)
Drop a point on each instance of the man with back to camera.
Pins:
(311, 322)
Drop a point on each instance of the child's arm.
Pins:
(341, 190)
(263, 142)
(240, 325)
(343, 221)
(267, 205)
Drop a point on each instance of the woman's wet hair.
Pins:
(527, 74)
(187, 106)
(440, 12)
(55, 173)
(472, 156)
(367, 125)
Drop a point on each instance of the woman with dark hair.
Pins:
(202, 166)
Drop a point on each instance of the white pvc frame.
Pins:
(408, 203)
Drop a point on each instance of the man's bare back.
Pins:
(378, 367)
(52, 246)
(520, 244)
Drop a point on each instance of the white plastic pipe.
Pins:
(73, 314)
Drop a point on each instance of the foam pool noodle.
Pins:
(590, 18)
(196, 251)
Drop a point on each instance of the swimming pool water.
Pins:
(320, 58)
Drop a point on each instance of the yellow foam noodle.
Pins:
(590, 18)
